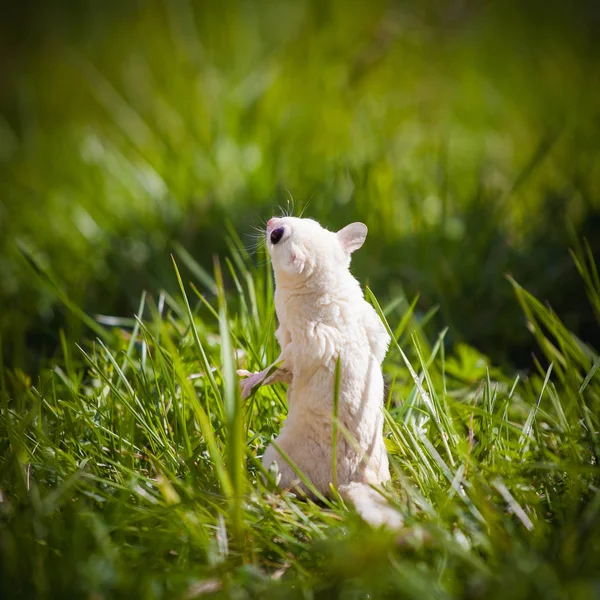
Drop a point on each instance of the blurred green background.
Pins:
(465, 134)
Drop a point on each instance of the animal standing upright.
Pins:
(324, 317)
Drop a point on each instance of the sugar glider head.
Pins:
(301, 248)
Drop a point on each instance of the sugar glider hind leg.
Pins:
(371, 505)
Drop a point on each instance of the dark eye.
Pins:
(276, 235)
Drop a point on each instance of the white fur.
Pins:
(322, 314)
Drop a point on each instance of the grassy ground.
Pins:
(130, 469)
(464, 134)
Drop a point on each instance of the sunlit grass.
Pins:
(134, 146)
(133, 130)
(131, 468)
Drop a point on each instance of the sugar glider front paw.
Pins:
(251, 381)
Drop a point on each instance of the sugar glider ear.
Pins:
(353, 236)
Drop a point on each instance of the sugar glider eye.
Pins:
(276, 235)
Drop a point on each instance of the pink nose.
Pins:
(271, 222)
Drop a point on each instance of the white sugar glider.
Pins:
(322, 314)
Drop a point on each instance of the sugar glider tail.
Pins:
(371, 505)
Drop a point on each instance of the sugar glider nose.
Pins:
(271, 222)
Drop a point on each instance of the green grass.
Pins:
(131, 468)
(464, 135)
